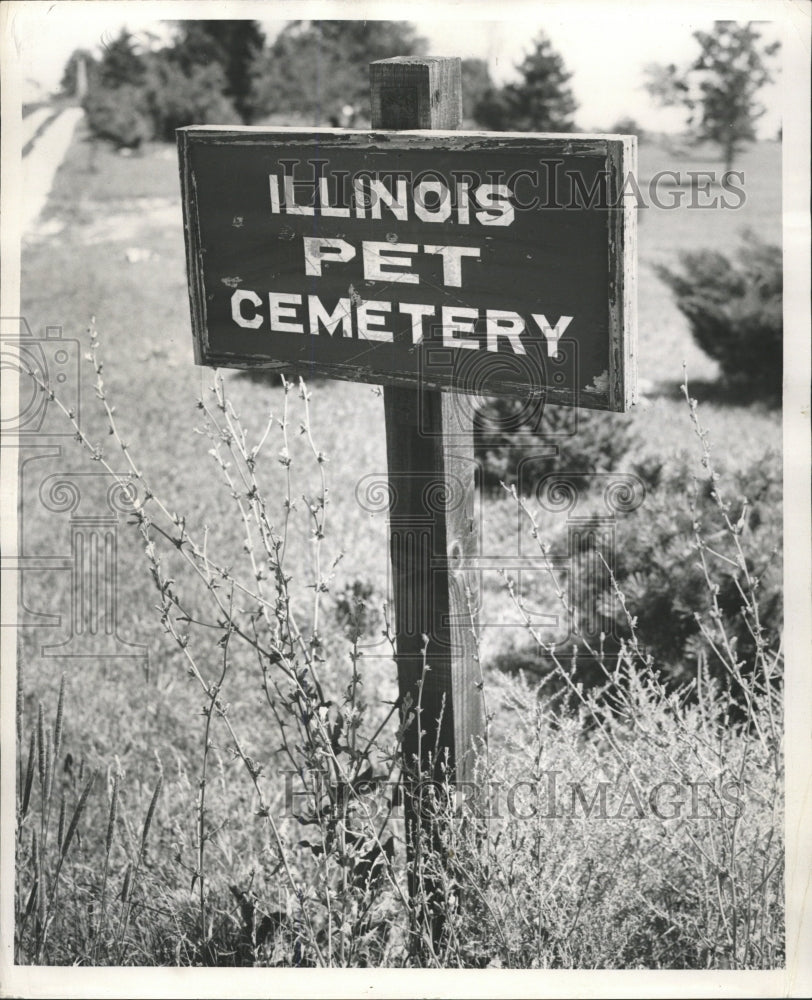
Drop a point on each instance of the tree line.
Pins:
(226, 72)
(316, 72)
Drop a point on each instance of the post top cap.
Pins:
(416, 60)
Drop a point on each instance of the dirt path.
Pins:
(42, 162)
(32, 122)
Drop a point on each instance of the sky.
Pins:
(605, 44)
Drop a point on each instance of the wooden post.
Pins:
(430, 451)
(431, 465)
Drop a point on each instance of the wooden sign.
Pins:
(498, 264)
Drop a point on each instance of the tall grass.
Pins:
(64, 910)
(662, 847)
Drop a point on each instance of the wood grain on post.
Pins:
(429, 441)
(411, 93)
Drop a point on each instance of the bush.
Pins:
(120, 115)
(685, 559)
(663, 551)
(735, 311)
(176, 98)
(136, 95)
(508, 447)
(168, 99)
(628, 126)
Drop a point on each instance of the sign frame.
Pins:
(616, 156)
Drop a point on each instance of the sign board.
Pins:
(493, 263)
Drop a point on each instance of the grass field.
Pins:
(110, 245)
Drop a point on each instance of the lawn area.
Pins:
(110, 246)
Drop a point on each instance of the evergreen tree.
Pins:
(476, 86)
(720, 87)
(122, 64)
(235, 46)
(541, 101)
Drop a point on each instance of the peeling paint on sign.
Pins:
(406, 256)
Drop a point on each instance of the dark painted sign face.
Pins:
(487, 263)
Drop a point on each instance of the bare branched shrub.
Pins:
(641, 829)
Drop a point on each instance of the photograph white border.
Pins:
(796, 979)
